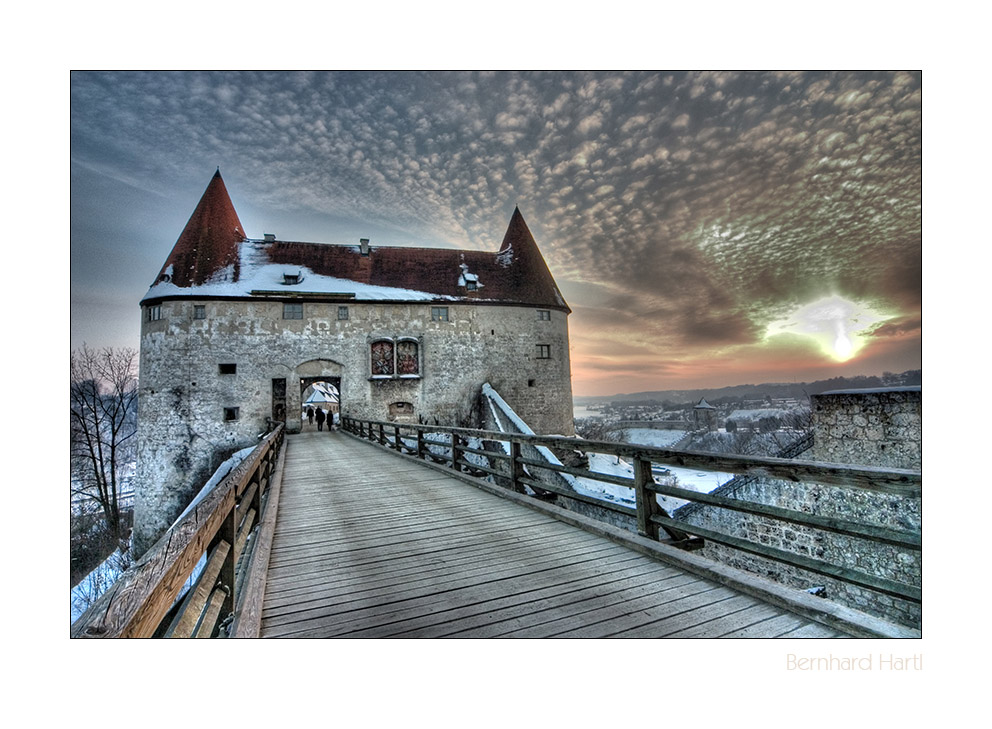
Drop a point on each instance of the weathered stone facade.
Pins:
(219, 362)
(868, 427)
(880, 427)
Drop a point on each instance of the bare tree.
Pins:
(102, 402)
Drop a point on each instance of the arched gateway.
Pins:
(234, 330)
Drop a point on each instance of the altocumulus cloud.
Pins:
(703, 206)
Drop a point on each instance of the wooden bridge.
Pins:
(355, 541)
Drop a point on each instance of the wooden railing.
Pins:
(220, 535)
(515, 471)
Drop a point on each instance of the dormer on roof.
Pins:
(209, 242)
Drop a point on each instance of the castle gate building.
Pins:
(234, 330)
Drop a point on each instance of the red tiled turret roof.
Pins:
(209, 242)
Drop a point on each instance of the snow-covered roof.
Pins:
(213, 258)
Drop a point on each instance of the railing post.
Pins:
(516, 467)
(647, 502)
(396, 438)
(455, 451)
(228, 576)
(382, 435)
(420, 442)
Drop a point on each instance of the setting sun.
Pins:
(839, 326)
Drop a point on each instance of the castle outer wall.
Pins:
(880, 428)
(193, 412)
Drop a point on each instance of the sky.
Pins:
(706, 228)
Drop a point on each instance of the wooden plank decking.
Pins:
(368, 544)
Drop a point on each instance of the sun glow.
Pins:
(839, 326)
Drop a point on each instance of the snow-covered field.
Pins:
(653, 437)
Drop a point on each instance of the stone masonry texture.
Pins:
(187, 421)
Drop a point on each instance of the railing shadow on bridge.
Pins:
(452, 447)
(214, 542)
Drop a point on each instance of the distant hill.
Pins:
(756, 392)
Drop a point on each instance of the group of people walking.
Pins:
(321, 417)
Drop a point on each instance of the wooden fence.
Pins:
(515, 471)
(218, 536)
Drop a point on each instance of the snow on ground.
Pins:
(687, 478)
(653, 436)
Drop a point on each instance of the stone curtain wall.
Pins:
(880, 427)
(861, 427)
(183, 391)
(881, 560)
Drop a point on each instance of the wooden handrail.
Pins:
(143, 601)
(648, 514)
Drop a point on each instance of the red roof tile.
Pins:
(517, 273)
(210, 240)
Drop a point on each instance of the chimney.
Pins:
(364, 245)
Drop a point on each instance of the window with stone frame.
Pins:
(383, 364)
(407, 358)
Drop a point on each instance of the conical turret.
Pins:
(524, 263)
(209, 242)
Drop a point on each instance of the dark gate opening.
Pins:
(320, 393)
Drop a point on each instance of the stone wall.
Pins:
(186, 405)
(879, 427)
(880, 560)
(861, 427)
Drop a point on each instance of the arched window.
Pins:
(394, 358)
(407, 358)
(382, 358)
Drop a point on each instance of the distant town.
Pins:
(758, 419)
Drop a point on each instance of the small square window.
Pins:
(199, 311)
(154, 312)
(439, 313)
(229, 368)
(230, 414)
(342, 312)
(292, 311)
(531, 383)
(544, 351)
(543, 315)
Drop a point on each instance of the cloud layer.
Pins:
(681, 213)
